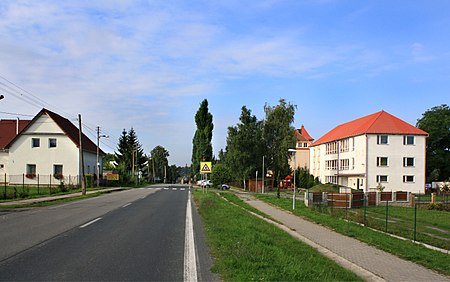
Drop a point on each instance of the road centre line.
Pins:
(190, 262)
(90, 222)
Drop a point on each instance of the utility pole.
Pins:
(98, 149)
(153, 164)
(80, 137)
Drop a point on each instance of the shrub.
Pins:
(436, 206)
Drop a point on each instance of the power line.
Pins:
(16, 114)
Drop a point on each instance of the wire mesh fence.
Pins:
(411, 218)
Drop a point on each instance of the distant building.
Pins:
(378, 150)
(48, 146)
(302, 147)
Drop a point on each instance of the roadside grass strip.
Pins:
(247, 248)
(52, 202)
(408, 250)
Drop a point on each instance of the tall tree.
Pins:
(130, 155)
(279, 136)
(201, 143)
(436, 121)
(245, 146)
(159, 157)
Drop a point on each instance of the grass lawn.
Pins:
(407, 250)
(247, 248)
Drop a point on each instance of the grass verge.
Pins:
(53, 202)
(404, 249)
(247, 248)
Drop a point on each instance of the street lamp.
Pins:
(98, 145)
(295, 168)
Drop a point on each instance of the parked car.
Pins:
(225, 186)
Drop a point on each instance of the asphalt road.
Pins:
(133, 235)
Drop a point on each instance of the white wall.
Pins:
(396, 151)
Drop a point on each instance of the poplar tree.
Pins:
(201, 143)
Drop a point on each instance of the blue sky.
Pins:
(149, 64)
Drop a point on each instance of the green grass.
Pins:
(247, 248)
(53, 202)
(405, 249)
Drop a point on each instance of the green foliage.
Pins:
(201, 143)
(89, 180)
(107, 159)
(245, 146)
(129, 155)
(305, 179)
(279, 137)
(436, 121)
(221, 174)
(436, 206)
(62, 187)
(159, 161)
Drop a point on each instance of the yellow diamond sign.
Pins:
(205, 167)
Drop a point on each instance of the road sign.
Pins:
(205, 167)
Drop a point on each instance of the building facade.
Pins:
(378, 151)
(47, 150)
(302, 149)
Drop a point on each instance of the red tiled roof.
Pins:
(8, 128)
(377, 123)
(302, 134)
(69, 129)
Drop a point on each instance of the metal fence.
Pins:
(403, 215)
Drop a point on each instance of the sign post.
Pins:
(205, 168)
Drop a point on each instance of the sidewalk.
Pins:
(369, 262)
(58, 197)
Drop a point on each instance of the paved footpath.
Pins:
(368, 262)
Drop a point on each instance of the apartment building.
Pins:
(375, 151)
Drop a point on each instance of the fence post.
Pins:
(50, 185)
(5, 187)
(415, 220)
(38, 182)
(365, 209)
(23, 183)
(387, 215)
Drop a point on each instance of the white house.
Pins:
(48, 147)
(378, 150)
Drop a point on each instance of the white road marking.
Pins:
(190, 260)
(166, 188)
(182, 189)
(124, 206)
(90, 222)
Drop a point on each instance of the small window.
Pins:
(382, 178)
(31, 171)
(408, 140)
(305, 145)
(52, 142)
(35, 142)
(2, 166)
(382, 139)
(299, 145)
(58, 172)
(408, 162)
(382, 161)
(408, 178)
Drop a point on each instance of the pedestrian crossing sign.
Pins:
(205, 167)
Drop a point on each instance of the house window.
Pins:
(2, 166)
(408, 140)
(382, 139)
(58, 172)
(353, 163)
(408, 162)
(382, 161)
(31, 171)
(331, 148)
(408, 178)
(52, 142)
(382, 178)
(344, 164)
(343, 145)
(35, 142)
(353, 143)
(305, 145)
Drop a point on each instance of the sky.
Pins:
(148, 65)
